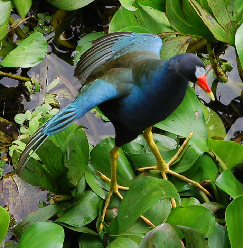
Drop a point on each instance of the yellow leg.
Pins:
(114, 187)
(164, 167)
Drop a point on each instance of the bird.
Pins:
(123, 74)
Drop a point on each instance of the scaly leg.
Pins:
(114, 187)
(164, 167)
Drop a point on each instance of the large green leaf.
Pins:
(142, 195)
(22, 6)
(173, 46)
(217, 29)
(151, 19)
(161, 236)
(230, 152)
(77, 156)
(42, 215)
(196, 217)
(214, 125)
(90, 241)
(184, 19)
(234, 221)
(5, 11)
(83, 212)
(227, 182)
(4, 223)
(193, 238)
(29, 53)
(69, 4)
(42, 234)
(219, 237)
(239, 43)
(122, 242)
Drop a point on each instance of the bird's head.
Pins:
(193, 69)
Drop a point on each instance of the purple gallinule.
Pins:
(124, 76)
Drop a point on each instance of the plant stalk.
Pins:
(217, 69)
(5, 74)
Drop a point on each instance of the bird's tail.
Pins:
(54, 125)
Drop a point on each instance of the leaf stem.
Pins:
(5, 74)
(218, 71)
(18, 30)
(217, 159)
(204, 196)
(239, 65)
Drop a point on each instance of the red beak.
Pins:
(202, 82)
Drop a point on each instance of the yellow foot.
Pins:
(164, 167)
(114, 189)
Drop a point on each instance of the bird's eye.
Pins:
(200, 71)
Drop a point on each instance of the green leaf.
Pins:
(77, 156)
(217, 30)
(164, 234)
(69, 4)
(141, 196)
(128, 4)
(155, 215)
(146, 17)
(83, 212)
(230, 152)
(122, 242)
(228, 183)
(219, 237)
(193, 238)
(20, 118)
(185, 19)
(214, 124)
(42, 234)
(196, 217)
(234, 221)
(4, 223)
(90, 241)
(29, 53)
(225, 14)
(22, 6)
(239, 43)
(5, 11)
(173, 46)
(43, 214)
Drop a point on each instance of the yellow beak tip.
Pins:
(211, 95)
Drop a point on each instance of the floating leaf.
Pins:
(143, 193)
(4, 223)
(227, 182)
(5, 11)
(196, 217)
(239, 43)
(185, 19)
(29, 53)
(219, 237)
(83, 212)
(42, 234)
(69, 4)
(234, 221)
(230, 152)
(146, 17)
(122, 242)
(22, 6)
(164, 234)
